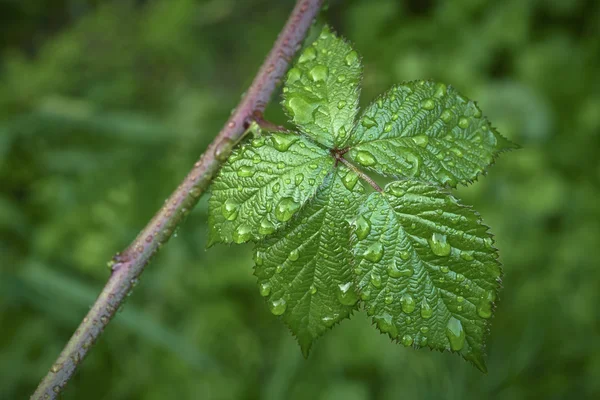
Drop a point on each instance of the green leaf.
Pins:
(426, 131)
(321, 91)
(427, 270)
(263, 184)
(305, 270)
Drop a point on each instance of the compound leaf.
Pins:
(305, 270)
(263, 184)
(428, 132)
(321, 91)
(427, 271)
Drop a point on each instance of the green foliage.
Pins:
(410, 247)
(161, 78)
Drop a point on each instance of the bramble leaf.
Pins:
(426, 131)
(321, 91)
(423, 265)
(427, 270)
(263, 184)
(305, 270)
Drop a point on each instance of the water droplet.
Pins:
(319, 73)
(294, 255)
(440, 90)
(242, 234)
(350, 180)
(245, 171)
(396, 189)
(460, 277)
(341, 104)
(363, 227)
(374, 252)
(365, 158)
(293, 75)
(342, 131)
(298, 179)
(484, 307)
(444, 269)
(313, 289)
(386, 324)
(397, 271)
(351, 58)
(467, 255)
(300, 109)
(279, 269)
(388, 299)
(424, 329)
(455, 334)
(439, 245)
(229, 209)
(258, 259)
(368, 122)
(276, 187)
(463, 123)
(365, 295)
(394, 117)
(404, 255)
(56, 368)
(346, 294)
(426, 311)
(427, 104)
(447, 116)
(278, 307)
(286, 209)
(328, 321)
(387, 127)
(408, 303)
(282, 142)
(308, 55)
(407, 340)
(376, 279)
(341, 78)
(265, 289)
(421, 140)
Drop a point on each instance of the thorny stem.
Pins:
(361, 174)
(128, 265)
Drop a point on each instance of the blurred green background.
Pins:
(104, 106)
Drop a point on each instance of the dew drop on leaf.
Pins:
(365, 158)
(341, 104)
(294, 255)
(319, 73)
(350, 180)
(351, 58)
(313, 289)
(484, 307)
(408, 303)
(308, 55)
(300, 109)
(439, 245)
(293, 75)
(242, 234)
(286, 209)
(374, 252)
(346, 294)
(363, 227)
(396, 189)
(440, 90)
(265, 289)
(368, 122)
(426, 311)
(245, 171)
(455, 334)
(407, 340)
(298, 179)
(375, 279)
(395, 271)
(467, 255)
(229, 209)
(266, 227)
(463, 123)
(386, 324)
(446, 116)
(282, 142)
(278, 307)
(427, 104)
(421, 140)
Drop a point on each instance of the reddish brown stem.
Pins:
(128, 265)
(361, 174)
